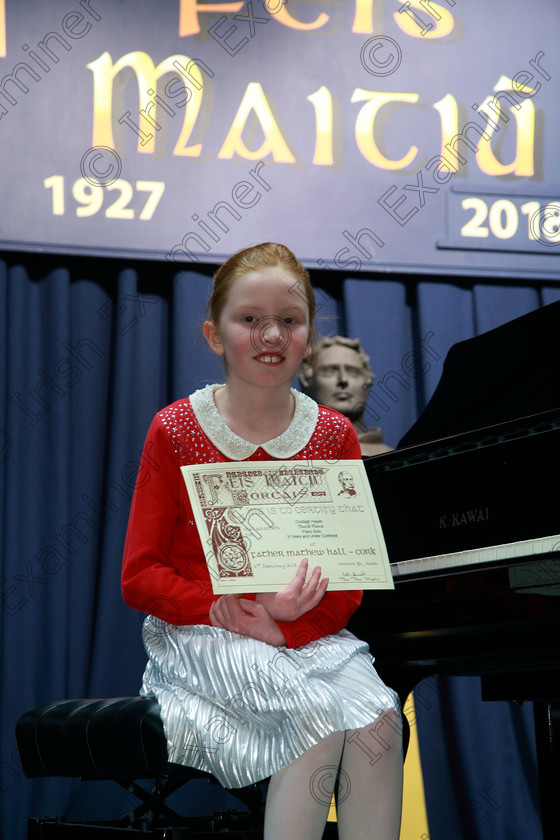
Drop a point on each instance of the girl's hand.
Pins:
(298, 598)
(238, 614)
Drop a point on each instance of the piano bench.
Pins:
(120, 739)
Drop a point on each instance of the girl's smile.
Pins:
(270, 360)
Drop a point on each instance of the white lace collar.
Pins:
(296, 436)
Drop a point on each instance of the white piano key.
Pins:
(477, 556)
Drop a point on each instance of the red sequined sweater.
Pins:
(164, 571)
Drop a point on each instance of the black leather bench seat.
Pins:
(120, 739)
(117, 738)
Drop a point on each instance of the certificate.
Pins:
(258, 519)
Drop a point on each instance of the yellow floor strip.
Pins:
(414, 817)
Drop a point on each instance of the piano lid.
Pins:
(510, 372)
(469, 491)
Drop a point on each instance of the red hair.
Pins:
(257, 258)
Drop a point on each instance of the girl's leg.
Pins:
(299, 796)
(370, 786)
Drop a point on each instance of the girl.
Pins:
(252, 686)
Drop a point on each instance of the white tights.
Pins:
(369, 801)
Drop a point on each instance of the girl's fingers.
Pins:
(215, 616)
(298, 579)
(316, 593)
(321, 589)
(298, 583)
(249, 607)
(313, 581)
(225, 610)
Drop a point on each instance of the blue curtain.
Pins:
(91, 350)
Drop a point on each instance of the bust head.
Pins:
(338, 375)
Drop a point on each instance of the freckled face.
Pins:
(264, 328)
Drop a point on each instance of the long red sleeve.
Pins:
(164, 571)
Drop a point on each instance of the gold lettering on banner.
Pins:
(417, 18)
(254, 102)
(187, 75)
(365, 131)
(411, 17)
(449, 116)
(363, 19)
(322, 102)
(2, 27)
(255, 116)
(524, 115)
(189, 9)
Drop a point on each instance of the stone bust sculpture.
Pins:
(338, 374)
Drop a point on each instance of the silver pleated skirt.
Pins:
(242, 710)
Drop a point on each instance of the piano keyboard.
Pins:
(475, 557)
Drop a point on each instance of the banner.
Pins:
(411, 136)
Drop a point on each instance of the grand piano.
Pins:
(470, 512)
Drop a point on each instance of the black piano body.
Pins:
(470, 512)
